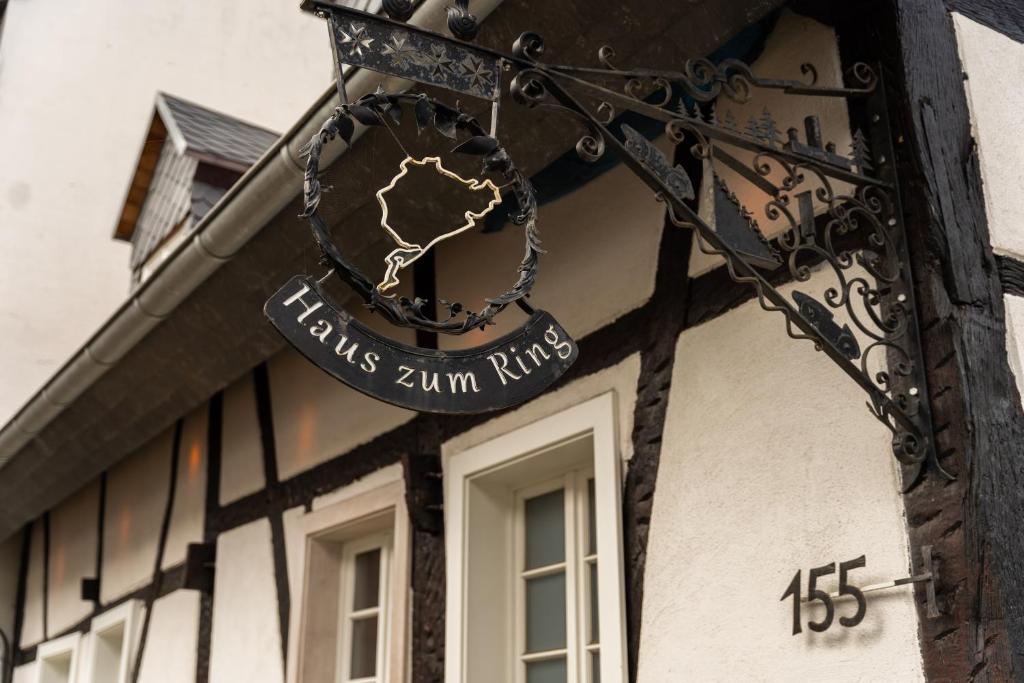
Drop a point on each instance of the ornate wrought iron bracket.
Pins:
(840, 212)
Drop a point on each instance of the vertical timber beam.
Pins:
(214, 431)
(667, 316)
(265, 416)
(975, 523)
(421, 467)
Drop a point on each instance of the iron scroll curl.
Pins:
(377, 109)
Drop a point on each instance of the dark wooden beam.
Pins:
(1011, 275)
(973, 523)
(214, 441)
(161, 546)
(1005, 16)
(219, 333)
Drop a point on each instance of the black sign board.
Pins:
(497, 375)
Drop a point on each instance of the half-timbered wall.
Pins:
(746, 456)
(993, 64)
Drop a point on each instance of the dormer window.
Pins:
(190, 158)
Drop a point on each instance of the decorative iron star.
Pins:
(399, 50)
(355, 38)
(439, 61)
(473, 68)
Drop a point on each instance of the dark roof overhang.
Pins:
(218, 332)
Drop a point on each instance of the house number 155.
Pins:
(815, 594)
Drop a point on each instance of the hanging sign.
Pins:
(498, 375)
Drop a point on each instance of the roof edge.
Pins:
(262, 191)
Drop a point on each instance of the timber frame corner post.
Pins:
(839, 210)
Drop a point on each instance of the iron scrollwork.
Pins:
(837, 211)
(376, 109)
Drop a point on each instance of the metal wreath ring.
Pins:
(370, 110)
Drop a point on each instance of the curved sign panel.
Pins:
(497, 375)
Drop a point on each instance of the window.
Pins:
(355, 609)
(556, 558)
(58, 660)
(112, 641)
(365, 580)
(530, 598)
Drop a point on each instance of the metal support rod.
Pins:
(928, 577)
(744, 272)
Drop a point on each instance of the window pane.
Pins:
(548, 671)
(366, 592)
(545, 529)
(545, 613)
(595, 667)
(594, 631)
(364, 648)
(591, 519)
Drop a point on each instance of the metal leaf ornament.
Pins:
(407, 252)
(375, 109)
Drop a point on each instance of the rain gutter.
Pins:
(259, 195)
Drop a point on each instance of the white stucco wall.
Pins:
(77, 83)
(317, 417)
(1015, 337)
(170, 654)
(190, 496)
(73, 535)
(137, 490)
(596, 239)
(136, 495)
(32, 625)
(246, 640)
(771, 463)
(794, 40)
(994, 64)
(26, 673)
(241, 449)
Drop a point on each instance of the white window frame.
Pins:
(56, 648)
(326, 533)
(577, 651)
(348, 565)
(595, 417)
(126, 614)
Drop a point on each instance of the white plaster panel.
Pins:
(621, 378)
(246, 639)
(170, 654)
(32, 624)
(1015, 337)
(136, 497)
(317, 418)
(795, 40)
(612, 225)
(375, 479)
(73, 536)
(190, 495)
(994, 64)
(295, 553)
(241, 469)
(26, 673)
(771, 463)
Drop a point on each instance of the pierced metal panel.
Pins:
(386, 46)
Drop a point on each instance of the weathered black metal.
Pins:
(497, 375)
(800, 179)
(381, 44)
(378, 109)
